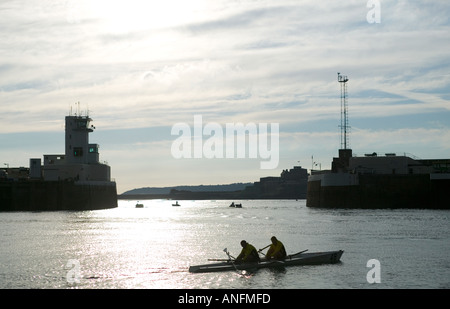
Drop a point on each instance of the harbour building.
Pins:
(75, 180)
(378, 181)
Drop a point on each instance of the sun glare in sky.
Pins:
(142, 66)
(124, 16)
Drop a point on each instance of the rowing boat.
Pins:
(313, 258)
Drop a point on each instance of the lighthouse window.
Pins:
(77, 151)
(93, 150)
(82, 124)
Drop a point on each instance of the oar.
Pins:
(228, 253)
(298, 253)
(263, 248)
(260, 250)
(218, 260)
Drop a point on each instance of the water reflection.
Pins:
(153, 246)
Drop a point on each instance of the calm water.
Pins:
(152, 247)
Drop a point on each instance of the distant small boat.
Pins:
(176, 204)
(236, 205)
(139, 205)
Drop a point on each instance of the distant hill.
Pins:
(292, 184)
(200, 188)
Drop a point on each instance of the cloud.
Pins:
(427, 141)
(150, 64)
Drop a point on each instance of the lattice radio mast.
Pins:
(344, 112)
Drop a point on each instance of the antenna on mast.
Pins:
(344, 111)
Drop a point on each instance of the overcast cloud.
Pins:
(142, 66)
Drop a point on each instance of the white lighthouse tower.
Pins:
(78, 149)
(81, 159)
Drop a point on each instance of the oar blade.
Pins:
(298, 253)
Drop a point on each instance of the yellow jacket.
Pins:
(248, 252)
(276, 251)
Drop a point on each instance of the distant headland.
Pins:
(291, 184)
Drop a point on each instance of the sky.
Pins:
(141, 68)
